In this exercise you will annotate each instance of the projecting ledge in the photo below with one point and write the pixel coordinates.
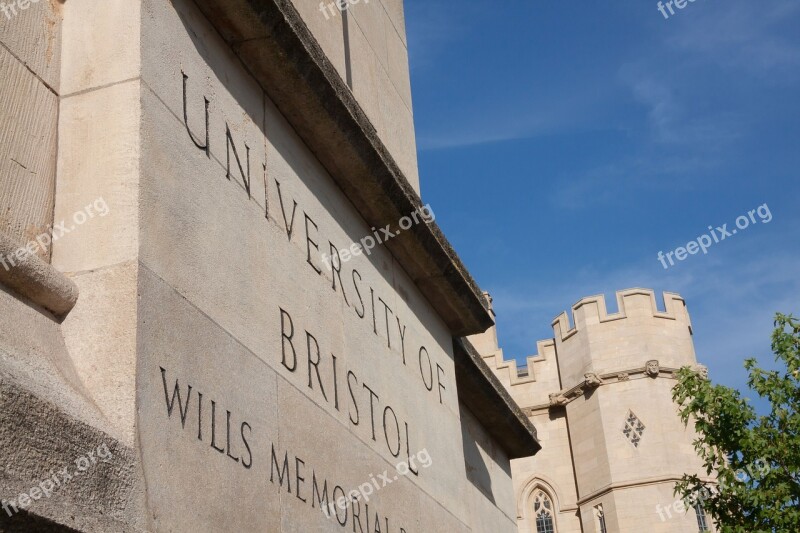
(282, 54)
(487, 399)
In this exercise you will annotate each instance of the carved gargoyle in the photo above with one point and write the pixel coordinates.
(592, 380)
(652, 368)
(557, 399)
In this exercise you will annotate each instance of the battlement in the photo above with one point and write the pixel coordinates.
(632, 303)
(597, 342)
(516, 375)
(530, 384)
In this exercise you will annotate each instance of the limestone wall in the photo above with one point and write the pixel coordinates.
(30, 55)
(367, 44)
(48, 417)
(490, 496)
(550, 470)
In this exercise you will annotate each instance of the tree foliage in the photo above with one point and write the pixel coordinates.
(756, 458)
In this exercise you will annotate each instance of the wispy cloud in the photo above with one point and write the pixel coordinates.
(751, 38)
(431, 141)
(436, 28)
(677, 122)
(687, 128)
(489, 129)
(623, 180)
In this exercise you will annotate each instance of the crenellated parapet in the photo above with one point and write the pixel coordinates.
(528, 384)
(602, 343)
(513, 373)
(598, 348)
(631, 303)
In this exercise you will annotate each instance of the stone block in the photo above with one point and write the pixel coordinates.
(101, 43)
(28, 127)
(33, 36)
(206, 451)
(98, 162)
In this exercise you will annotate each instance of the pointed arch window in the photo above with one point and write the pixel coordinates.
(543, 511)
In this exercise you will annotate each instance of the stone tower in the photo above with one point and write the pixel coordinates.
(599, 394)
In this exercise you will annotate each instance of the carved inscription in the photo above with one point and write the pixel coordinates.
(286, 470)
(203, 417)
(212, 425)
(304, 353)
(367, 411)
(364, 300)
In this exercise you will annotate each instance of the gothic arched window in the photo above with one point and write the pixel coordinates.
(543, 511)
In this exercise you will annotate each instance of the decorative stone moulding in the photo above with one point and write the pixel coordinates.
(34, 279)
(558, 399)
(592, 381)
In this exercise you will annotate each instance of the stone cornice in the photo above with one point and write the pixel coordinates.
(635, 483)
(276, 46)
(486, 398)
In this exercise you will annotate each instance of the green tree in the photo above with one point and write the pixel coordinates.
(756, 457)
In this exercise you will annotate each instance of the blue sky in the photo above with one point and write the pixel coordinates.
(564, 144)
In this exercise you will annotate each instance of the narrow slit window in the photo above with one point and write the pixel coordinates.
(601, 519)
(702, 523)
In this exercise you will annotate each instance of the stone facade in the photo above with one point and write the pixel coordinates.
(599, 394)
(200, 343)
(214, 317)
